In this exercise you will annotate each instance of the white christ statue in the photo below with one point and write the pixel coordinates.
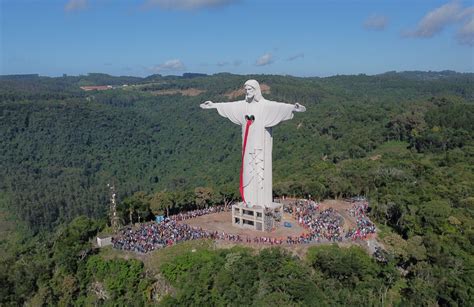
(257, 116)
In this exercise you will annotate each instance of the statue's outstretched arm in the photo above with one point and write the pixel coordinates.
(208, 105)
(230, 110)
(299, 108)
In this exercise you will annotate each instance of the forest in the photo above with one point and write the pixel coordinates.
(404, 140)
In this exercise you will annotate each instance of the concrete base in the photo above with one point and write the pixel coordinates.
(256, 217)
(104, 241)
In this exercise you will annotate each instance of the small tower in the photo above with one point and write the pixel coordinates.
(114, 219)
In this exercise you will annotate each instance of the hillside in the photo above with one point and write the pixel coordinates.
(404, 140)
(57, 138)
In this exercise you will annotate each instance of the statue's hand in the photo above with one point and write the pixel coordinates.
(299, 108)
(207, 105)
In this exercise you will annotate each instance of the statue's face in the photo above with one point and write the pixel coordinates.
(249, 92)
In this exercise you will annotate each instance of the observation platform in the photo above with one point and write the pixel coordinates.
(258, 218)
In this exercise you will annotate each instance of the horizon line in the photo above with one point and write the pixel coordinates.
(235, 74)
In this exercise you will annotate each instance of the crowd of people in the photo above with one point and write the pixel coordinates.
(327, 225)
(199, 212)
(324, 225)
(151, 236)
(321, 226)
(364, 226)
(359, 208)
(301, 207)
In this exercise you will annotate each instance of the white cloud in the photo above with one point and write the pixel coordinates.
(170, 65)
(185, 4)
(436, 20)
(450, 14)
(223, 63)
(376, 22)
(465, 34)
(265, 59)
(75, 5)
(296, 56)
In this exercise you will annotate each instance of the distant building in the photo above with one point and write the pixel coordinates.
(96, 88)
(104, 241)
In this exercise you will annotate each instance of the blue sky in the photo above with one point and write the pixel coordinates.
(299, 37)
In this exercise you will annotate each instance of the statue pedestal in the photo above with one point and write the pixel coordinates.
(256, 217)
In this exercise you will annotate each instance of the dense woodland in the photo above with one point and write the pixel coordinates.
(404, 140)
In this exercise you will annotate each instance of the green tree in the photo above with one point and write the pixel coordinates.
(161, 202)
(203, 196)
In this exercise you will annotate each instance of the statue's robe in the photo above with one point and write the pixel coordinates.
(257, 158)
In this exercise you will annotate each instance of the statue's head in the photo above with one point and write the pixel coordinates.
(252, 91)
